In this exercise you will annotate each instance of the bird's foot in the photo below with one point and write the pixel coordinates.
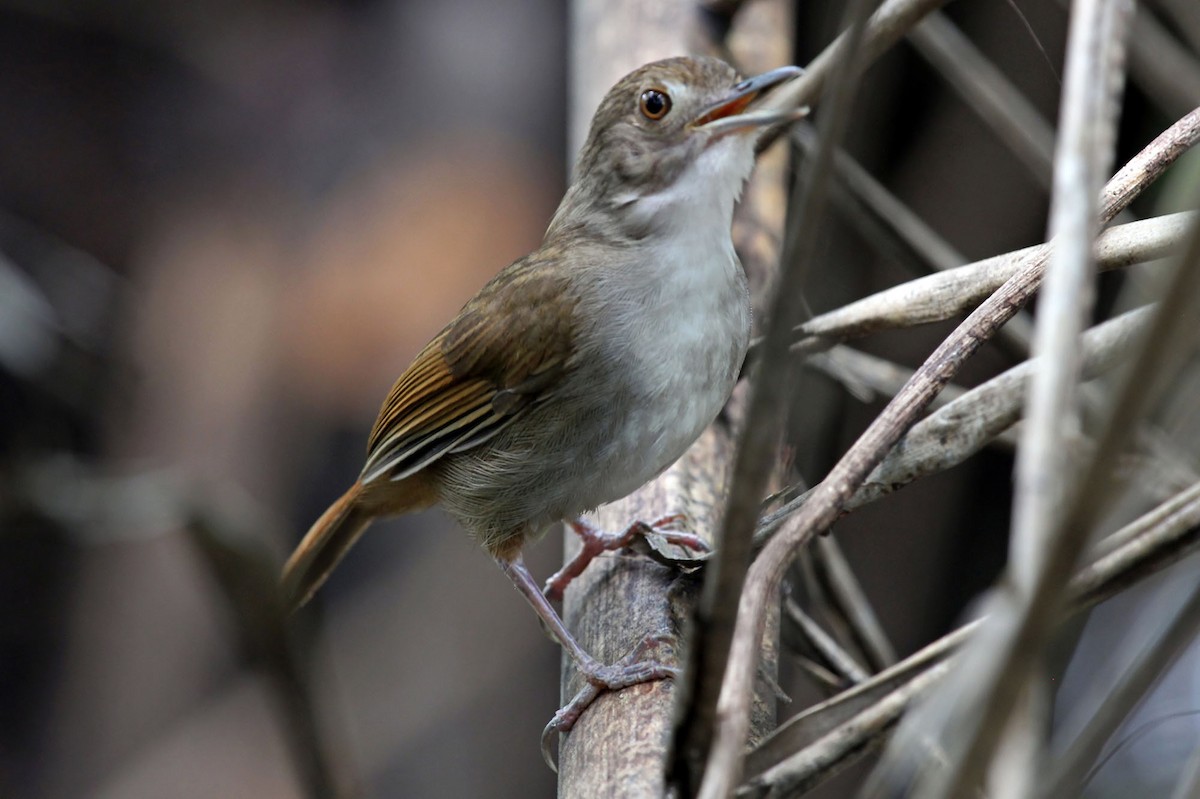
(595, 542)
(626, 672)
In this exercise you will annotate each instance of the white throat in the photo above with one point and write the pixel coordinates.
(701, 198)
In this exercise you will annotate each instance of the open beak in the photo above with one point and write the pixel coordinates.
(732, 112)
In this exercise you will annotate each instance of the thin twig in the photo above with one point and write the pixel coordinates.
(839, 661)
(1169, 507)
(850, 599)
(834, 751)
(869, 377)
(1172, 528)
(805, 728)
(822, 604)
(966, 425)
(938, 297)
(825, 679)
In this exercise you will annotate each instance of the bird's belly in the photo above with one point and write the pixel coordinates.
(634, 404)
(658, 425)
(677, 371)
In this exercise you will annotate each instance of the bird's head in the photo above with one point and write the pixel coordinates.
(670, 137)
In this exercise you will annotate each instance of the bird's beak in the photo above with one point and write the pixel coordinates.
(731, 112)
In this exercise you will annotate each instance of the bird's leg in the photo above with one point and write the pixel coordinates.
(595, 542)
(622, 674)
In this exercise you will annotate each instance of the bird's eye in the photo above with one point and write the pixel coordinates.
(655, 104)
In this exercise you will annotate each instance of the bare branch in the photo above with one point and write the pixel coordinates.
(804, 729)
(1146, 545)
(941, 296)
(868, 377)
(1169, 508)
(803, 752)
(858, 735)
(831, 495)
(964, 426)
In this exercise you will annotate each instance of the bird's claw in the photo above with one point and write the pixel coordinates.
(671, 529)
(626, 672)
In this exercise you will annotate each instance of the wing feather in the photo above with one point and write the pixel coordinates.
(507, 349)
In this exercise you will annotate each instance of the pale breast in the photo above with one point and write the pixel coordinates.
(686, 329)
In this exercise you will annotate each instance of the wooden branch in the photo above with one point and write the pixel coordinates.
(621, 739)
(964, 426)
(941, 296)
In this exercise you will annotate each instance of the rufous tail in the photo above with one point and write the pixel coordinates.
(326, 542)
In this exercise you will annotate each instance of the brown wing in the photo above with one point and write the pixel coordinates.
(507, 348)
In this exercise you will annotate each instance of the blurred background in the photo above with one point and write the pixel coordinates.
(225, 228)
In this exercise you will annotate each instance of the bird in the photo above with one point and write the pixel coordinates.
(585, 369)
